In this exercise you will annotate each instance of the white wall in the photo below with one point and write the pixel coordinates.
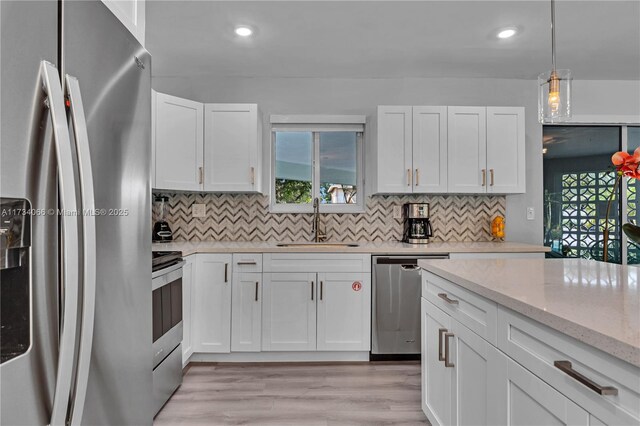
(361, 96)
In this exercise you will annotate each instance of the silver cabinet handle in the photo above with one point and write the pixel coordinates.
(253, 176)
(446, 350)
(226, 272)
(256, 291)
(565, 367)
(491, 173)
(311, 290)
(408, 177)
(444, 297)
(417, 177)
(200, 175)
(89, 245)
(484, 177)
(70, 248)
(247, 263)
(321, 289)
(441, 331)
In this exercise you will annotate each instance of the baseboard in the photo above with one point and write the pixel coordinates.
(359, 356)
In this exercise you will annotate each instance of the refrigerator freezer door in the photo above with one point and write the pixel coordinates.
(28, 34)
(113, 73)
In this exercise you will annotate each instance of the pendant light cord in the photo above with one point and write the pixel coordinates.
(553, 34)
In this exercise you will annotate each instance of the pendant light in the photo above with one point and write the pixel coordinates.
(554, 87)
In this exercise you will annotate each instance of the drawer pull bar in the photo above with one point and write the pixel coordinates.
(444, 297)
(565, 367)
(257, 290)
(446, 350)
(441, 331)
(247, 263)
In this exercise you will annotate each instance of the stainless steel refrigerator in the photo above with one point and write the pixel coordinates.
(75, 287)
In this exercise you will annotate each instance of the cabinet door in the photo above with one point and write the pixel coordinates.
(505, 150)
(289, 312)
(178, 143)
(429, 149)
(532, 401)
(344, 312)
(394, 150)
(187, 288)
(479, 384)
(231, 147)
(437, 379)
(467, 149)
(246, 312)
(131, 13)
(212, 303)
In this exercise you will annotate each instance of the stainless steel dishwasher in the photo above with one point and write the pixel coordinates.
(395, 319)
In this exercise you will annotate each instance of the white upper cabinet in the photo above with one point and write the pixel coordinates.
(429, 149)
(131, 13)
(505, 150)
(178, 143)
(232, 149)
(394, 150)
(456, 149)
(467, 150)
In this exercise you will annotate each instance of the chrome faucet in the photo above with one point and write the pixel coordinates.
(318, 235)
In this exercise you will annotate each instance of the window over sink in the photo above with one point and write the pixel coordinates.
(317, 157)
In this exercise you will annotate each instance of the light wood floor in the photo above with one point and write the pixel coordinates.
(377, 393)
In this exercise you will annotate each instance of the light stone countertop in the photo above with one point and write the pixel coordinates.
(188, 248)
(597, 303)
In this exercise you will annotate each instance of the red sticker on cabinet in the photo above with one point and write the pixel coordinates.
(356, 286)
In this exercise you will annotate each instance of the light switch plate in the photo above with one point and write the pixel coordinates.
(397, 212)
(531, 214)
(198, 210)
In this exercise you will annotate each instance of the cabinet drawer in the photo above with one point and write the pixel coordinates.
(537, 347)
(476, 312)
(247, 262)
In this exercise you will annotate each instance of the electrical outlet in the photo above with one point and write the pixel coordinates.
(531, 214)
(198, 210)
(397, 212)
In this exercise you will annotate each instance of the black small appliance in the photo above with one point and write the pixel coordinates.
(417, 227)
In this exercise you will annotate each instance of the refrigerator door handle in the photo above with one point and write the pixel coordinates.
(89, 246)
(67, 193)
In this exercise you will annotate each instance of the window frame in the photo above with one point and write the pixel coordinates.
(357, 207)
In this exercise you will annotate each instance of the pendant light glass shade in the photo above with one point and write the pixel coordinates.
(554, 87)
(554, 96)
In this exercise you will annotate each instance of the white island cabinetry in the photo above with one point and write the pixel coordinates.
(484, 363)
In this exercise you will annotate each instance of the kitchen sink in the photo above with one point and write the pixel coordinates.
(304, 245)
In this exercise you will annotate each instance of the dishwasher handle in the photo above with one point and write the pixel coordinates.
(408, 261)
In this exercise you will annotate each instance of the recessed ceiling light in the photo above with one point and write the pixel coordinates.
(244, 31)
(507, 32)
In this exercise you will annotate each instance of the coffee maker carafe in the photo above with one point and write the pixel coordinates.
(417, 227)
(161, 230)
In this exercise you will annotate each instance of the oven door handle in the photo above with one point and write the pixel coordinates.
(167, 275)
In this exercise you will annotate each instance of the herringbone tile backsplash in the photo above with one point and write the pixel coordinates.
(246, 217)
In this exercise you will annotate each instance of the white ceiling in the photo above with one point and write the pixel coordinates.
(393, 39)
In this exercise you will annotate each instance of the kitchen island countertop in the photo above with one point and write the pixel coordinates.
(594, 302)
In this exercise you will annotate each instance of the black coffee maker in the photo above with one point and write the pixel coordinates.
(161, 230)
(417, 227)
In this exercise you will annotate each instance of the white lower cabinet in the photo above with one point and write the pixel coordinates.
(246, 312)
(344, 312)
(532, 401)
(468, 380)
(212, 304)
(188, 274)
(437, 380)
(461, 372)
(289, 312)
